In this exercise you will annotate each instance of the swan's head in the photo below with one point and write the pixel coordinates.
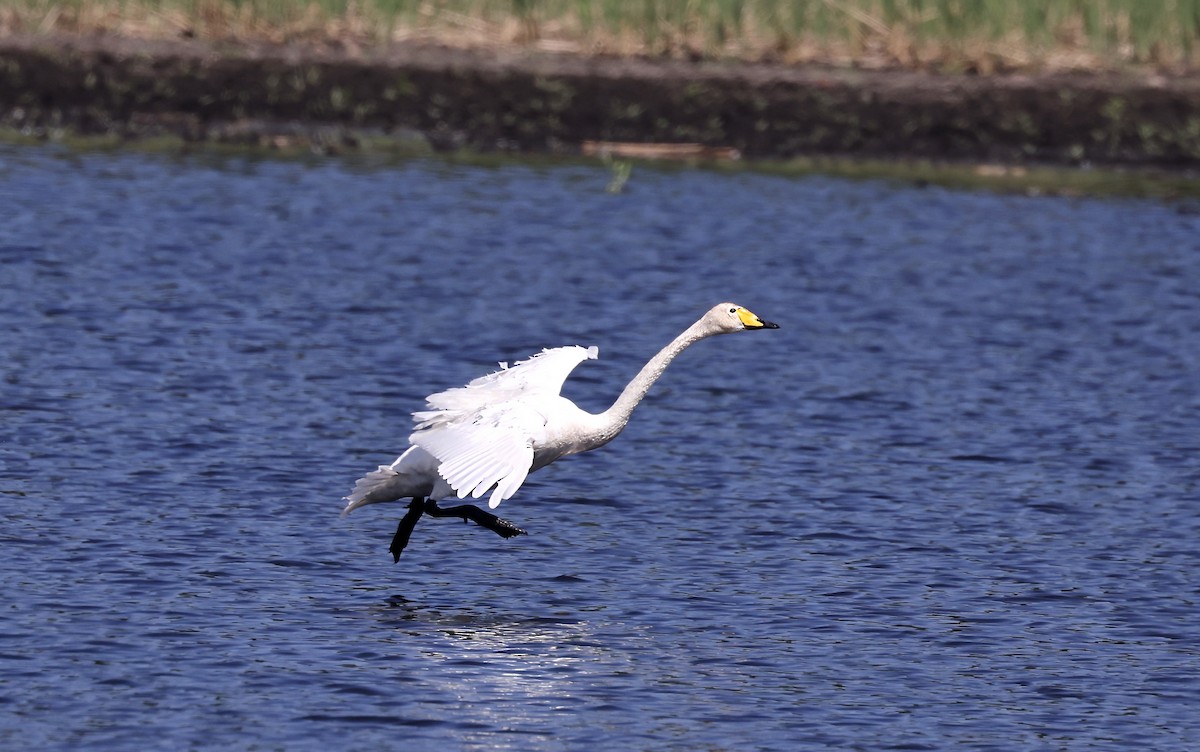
(724, 318)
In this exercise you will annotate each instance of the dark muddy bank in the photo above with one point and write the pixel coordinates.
(487, 100)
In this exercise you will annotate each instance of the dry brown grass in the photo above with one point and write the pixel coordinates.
(911, 34)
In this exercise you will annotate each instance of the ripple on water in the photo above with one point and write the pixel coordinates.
(948, 504)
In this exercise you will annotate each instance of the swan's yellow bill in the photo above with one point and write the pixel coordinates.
(750, 321)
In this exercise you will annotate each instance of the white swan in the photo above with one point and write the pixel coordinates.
(488, 435)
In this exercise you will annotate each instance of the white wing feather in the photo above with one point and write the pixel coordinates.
(484, 434)
(542, 374)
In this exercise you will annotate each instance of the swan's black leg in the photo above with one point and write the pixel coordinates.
(497, 525)
(405, 528)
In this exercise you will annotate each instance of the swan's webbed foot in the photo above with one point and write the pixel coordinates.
(469, 512)
(405, 528)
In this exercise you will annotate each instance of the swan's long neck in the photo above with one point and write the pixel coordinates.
(614, 419)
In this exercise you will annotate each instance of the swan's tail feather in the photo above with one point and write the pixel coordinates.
(384, 484)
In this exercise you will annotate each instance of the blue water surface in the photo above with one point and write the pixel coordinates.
(953, 503)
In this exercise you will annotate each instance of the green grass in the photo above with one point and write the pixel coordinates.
(973, 34)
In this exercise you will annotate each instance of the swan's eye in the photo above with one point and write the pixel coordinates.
(733, 310)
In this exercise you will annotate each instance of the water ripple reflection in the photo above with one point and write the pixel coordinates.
(951, 505)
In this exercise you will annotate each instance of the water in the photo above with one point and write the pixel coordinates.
(954, 503)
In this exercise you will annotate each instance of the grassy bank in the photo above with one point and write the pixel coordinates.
(951, 35)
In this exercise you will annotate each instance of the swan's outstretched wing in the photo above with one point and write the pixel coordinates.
(495, 449)
(543, 374)
(484, 433)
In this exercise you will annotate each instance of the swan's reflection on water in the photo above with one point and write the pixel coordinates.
(516, 672)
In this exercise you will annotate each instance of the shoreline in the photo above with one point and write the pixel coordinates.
(513, 101)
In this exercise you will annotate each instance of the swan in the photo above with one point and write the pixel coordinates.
(489, 435)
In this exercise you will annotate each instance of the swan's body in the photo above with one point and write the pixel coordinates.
(487, 436)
